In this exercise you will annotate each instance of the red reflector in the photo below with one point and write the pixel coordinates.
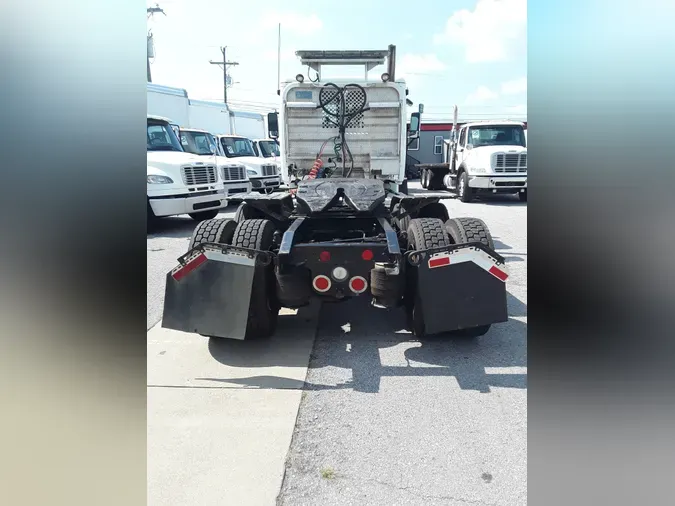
(367, 255)
(324, 256)
(321, 284)
(357, 284)
(439, 262)
(498, 273)
(189, 267)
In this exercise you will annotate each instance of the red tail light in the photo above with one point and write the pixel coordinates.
(321, 283)
(324, 256)
(367, 255)
(358, 284)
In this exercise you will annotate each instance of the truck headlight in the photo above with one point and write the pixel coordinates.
(251, 172)
(159, 180)
(478, 170)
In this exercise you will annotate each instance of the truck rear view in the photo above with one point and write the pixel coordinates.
(342, 231)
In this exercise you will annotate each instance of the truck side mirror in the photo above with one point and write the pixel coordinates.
(273, 125)
(414, 130)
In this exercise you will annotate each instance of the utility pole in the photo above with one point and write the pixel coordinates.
(151, 11)
(225, 64)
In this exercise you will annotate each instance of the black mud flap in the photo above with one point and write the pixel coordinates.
(460, 286)
(210, 291)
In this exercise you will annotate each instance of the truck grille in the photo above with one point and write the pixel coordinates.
(512, 163)
(269, 170)
(233, 173)
(199, 175)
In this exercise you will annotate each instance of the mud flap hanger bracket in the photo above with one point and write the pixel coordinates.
(415, 258)
(263, 258)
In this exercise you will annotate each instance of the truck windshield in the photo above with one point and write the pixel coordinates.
(237, 146)
(161, 137)
(198, 143)
(495, 135)
(269, 148)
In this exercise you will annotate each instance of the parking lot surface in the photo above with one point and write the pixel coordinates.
(383, 418)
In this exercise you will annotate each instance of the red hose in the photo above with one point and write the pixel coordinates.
(315, 168)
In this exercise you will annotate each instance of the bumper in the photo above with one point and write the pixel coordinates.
(258, 183)
(172, 206)
(237, 189)
(498, 183)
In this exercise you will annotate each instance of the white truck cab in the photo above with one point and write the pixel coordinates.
(231, 173)
(491, 157)
(353, 128)
(267, 148)
(262, 173)
(179, 182)
(483, 157)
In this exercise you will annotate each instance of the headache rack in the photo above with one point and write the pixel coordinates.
(368, 58)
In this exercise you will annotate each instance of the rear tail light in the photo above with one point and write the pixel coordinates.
(321, 283)
(324, 256)
(358, 284)
(367, 255)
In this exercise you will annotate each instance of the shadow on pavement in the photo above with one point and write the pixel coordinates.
(354, 336)
(183, 225)
(173, 226)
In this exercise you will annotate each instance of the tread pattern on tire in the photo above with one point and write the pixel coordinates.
(218, 231)
(428, 233)
(463, 230)
(263, 311)
(253, 233)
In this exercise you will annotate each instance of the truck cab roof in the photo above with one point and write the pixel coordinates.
(159, 118)
(492, 122)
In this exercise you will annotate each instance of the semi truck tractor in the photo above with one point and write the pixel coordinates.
(343, 229)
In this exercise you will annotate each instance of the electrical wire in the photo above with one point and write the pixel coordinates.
(342, 119)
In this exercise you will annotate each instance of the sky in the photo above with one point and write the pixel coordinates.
(464, 52)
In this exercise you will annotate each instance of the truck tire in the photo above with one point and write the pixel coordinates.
(426, 233)
(386, 289)
(204, 215)
(463, 230)
(423, 233)
(214, 231)
(264, 307)
(246, 212)
(464, 191)
(423, 179)
(435, 181)
(434, 210)
(294, 288)
(523, 196)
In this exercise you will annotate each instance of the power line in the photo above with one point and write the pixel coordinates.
(225, 64)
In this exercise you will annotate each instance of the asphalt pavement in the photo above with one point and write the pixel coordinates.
(384, 418)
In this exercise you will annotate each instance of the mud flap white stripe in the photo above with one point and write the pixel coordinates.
(469, 254)
(199, 257)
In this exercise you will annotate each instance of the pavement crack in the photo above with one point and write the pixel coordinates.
(418, 493)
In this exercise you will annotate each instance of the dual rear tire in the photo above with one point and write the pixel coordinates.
(425, 233)
(255, 234)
